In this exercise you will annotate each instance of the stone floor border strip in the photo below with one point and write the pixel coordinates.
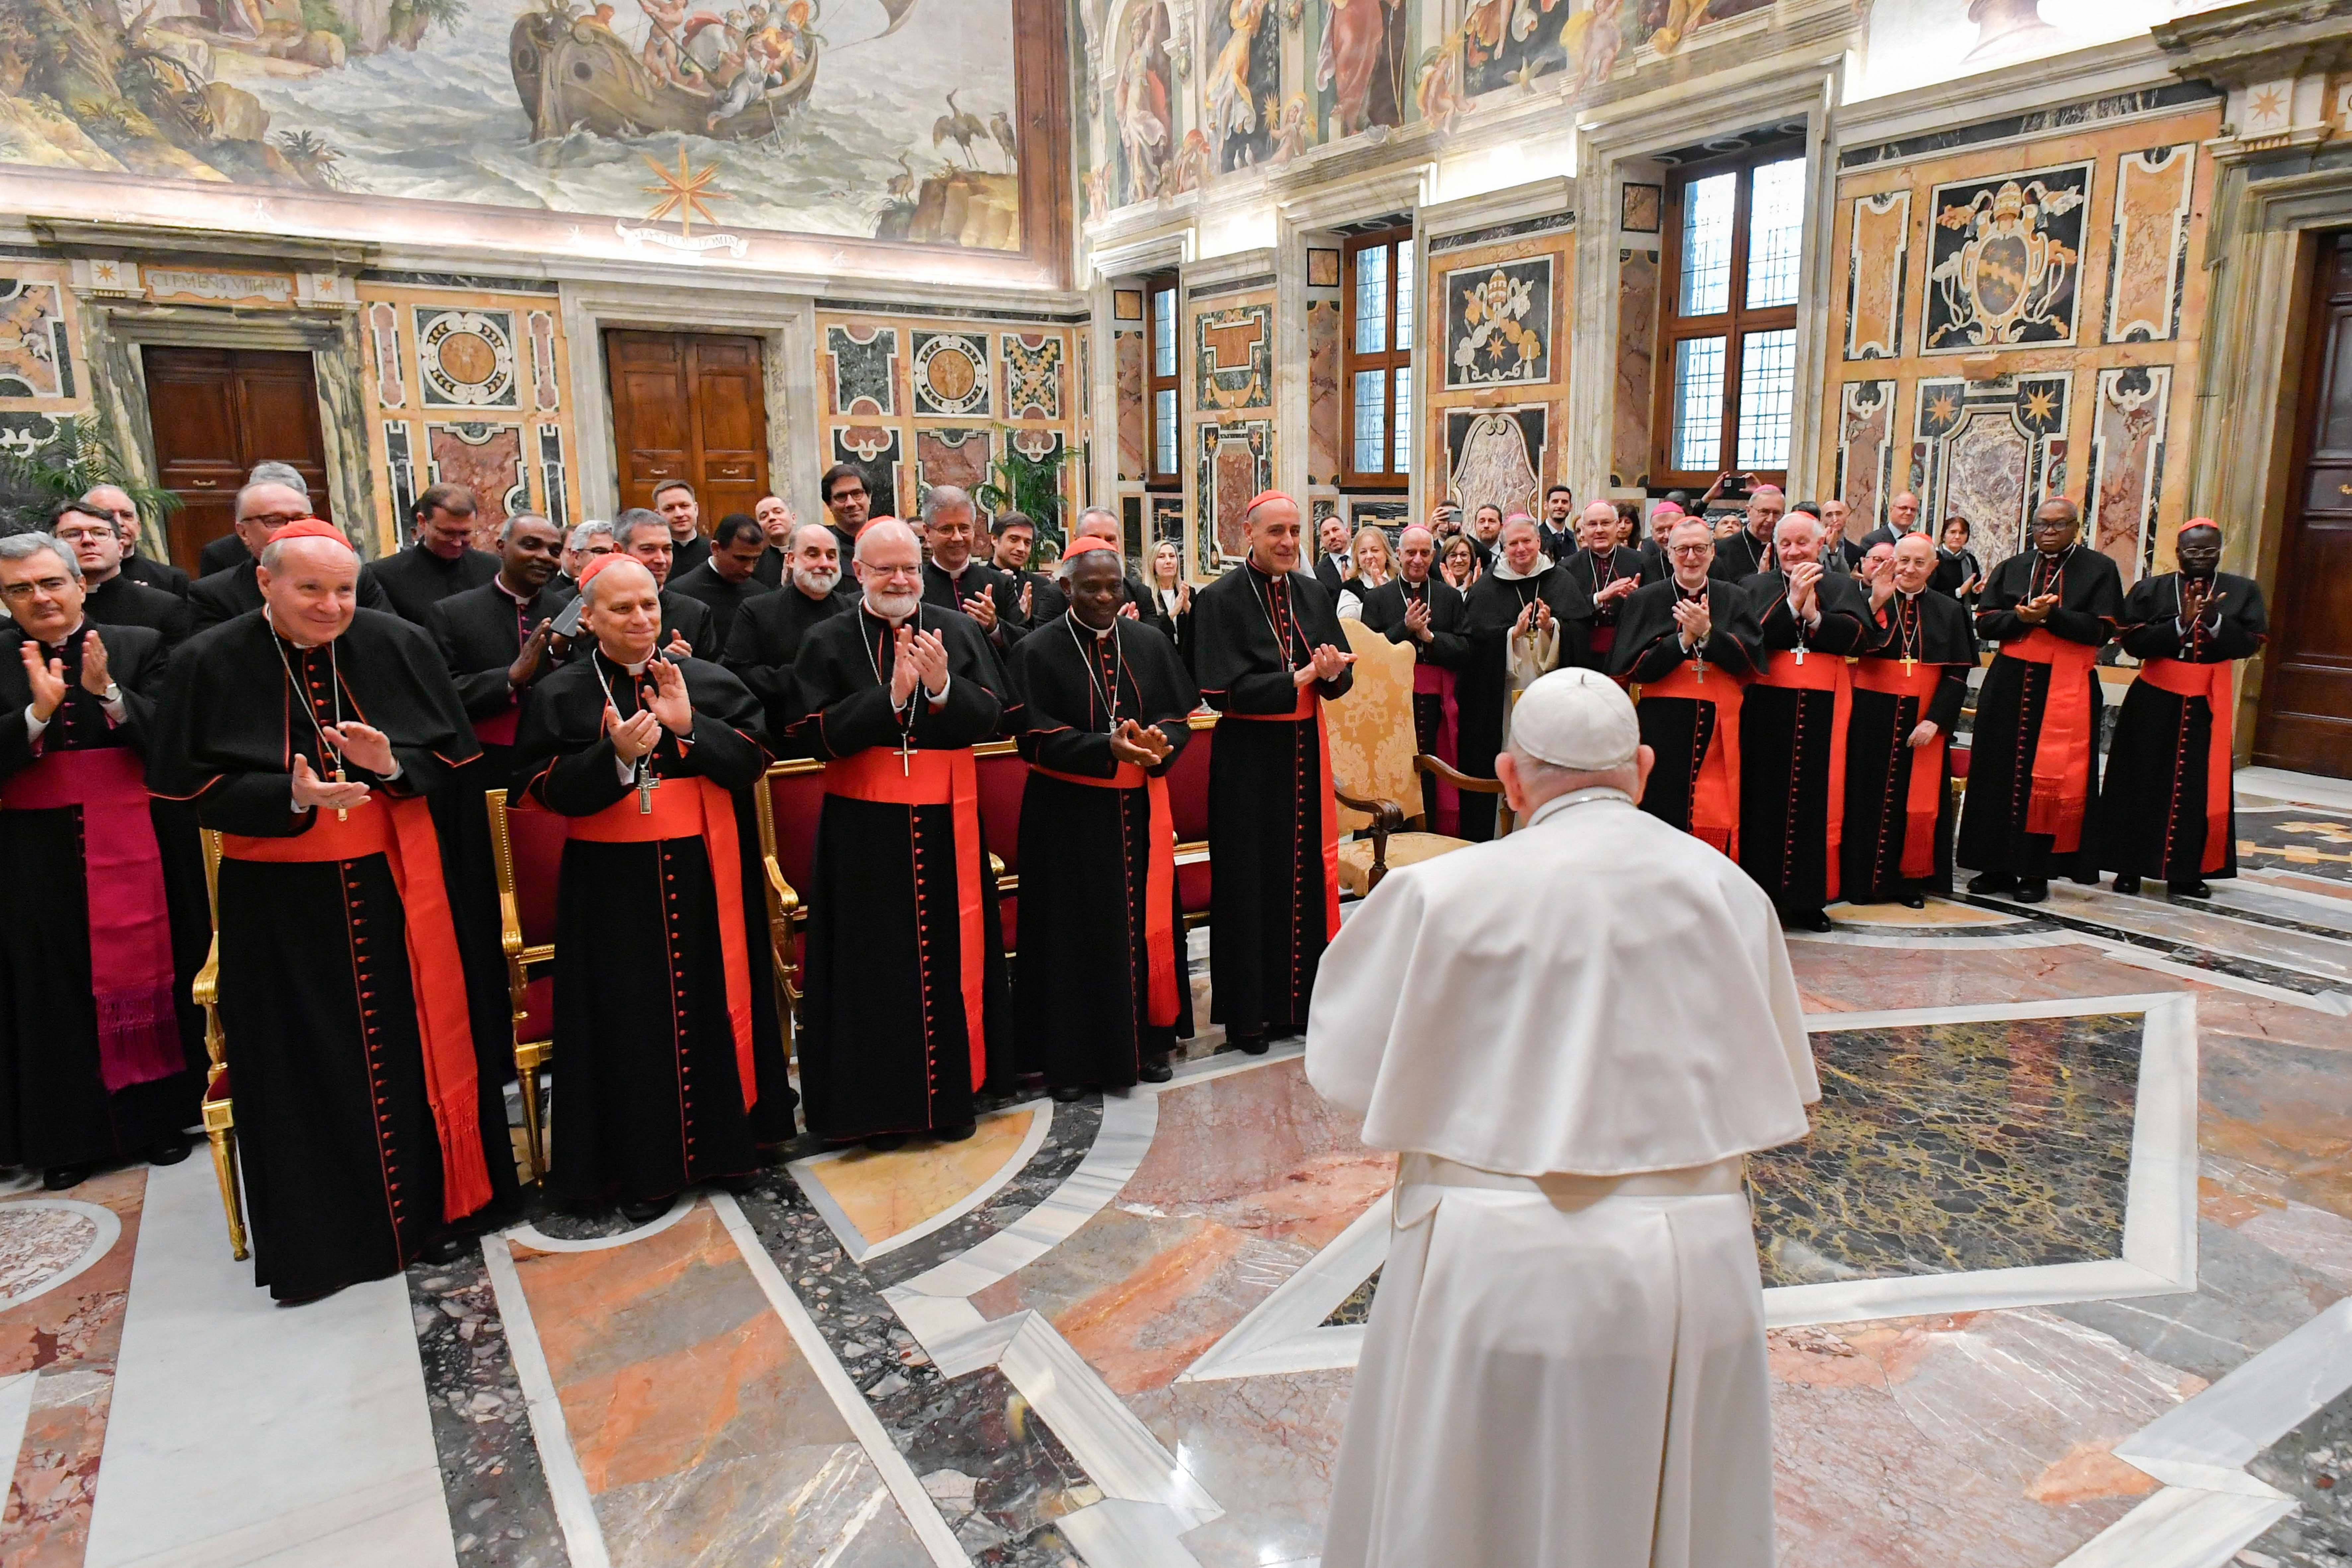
(575, 1510)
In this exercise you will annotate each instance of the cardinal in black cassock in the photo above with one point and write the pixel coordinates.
(1792, 724)
(1525, 616)
(1102, 987)
(1691, 677)
(350, 1048)
(670, 1070)
(94, 1064)
(904, 1016)
(2030, 807)
(1908, 687)
(1428, 612)
(2165, 805)
(1269, 653)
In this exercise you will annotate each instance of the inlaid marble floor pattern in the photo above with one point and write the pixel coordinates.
(2064, 1275)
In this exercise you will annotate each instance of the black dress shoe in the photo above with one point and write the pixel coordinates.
(58, 1178)
(1156, 1070)
(2031, 892)
(2191, 890)
(1913, 901)
(1069, 1094)
(449, 1248)
(1992, 882)
(644, 1211)
(1807, 919)
(883, 1143)
(958, 1133)
(2127, 883)
(1250, 1045)
(169, 1151)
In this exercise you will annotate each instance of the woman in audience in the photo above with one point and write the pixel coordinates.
(1956, 569)
(1373, 564)
(1172, 596)
(1459, 564)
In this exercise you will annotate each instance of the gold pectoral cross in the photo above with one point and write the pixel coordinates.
(1698, 669)
(341, 777)
(1908, 662)
(648, 782)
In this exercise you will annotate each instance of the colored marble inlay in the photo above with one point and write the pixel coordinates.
(501, 1511)
(2311, 841)
(887, 1194)
(1945, 1148)
(2312, 1465)
(1358, 1307)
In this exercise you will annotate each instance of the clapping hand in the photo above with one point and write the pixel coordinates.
(1880, 575)
(1416, 620)
(361, 746)
(1922, 733)
(1616, 590)
(2036, 610)
(1543, 617)
(903, 672)
(668, 701)
(1695, 621)
(634, 736)
(981, 608)
(310, 789)
(528, 663)
(678, 647)
(95, 678)
(1330, 663)
(928, 651)
(1804, 587)
(1527, 619)
(1131, 742)
(47, 679)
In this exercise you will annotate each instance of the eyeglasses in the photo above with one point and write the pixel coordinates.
(880, 571)
(17, 592)
(1689, 548)
(272, 519)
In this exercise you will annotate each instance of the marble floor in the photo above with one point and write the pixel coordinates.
(2064, 1275)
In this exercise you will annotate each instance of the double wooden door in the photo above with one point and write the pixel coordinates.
(2307, 710)
(690, 406)
(215, 412)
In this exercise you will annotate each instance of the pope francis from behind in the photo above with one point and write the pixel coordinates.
(1565, 1363)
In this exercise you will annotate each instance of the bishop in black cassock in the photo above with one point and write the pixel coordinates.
(1269, 653)
(1421, 607)
(2165, 805)
(2030, 805)
(1691, 678)
(1792, 723)
(234, 591)
(766, 638)
(1608, 573)
(670, 1070)
(1524, 615)
(1908, 687)
(1102, 986)
(309, 734)
(95, 1065)
(904, 1016)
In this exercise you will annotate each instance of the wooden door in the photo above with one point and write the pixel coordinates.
(214, 413)
(2307, 710)
(690, 406)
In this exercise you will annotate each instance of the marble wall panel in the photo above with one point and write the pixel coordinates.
(1498, 322)
(951, 373)
(951, 456)
(1453, 263)
(37, 360)
(2005, 256)
(876, 451)
(862, 366)
(1876, 258)
(466, 358)
(1134, 452)
(1991, 451)
(1495, 457)
(1237, 461)
(2149, 253)
(1032, 374)
(2125, 472)
(1233, 357)
(381, 322)
(1323, 433)
(1865, 453)
(486, 459)
(1637, 354)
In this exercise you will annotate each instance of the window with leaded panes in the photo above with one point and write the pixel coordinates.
(1160, 382)
(1376, 362)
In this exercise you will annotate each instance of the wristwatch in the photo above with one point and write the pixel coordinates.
(112, 696)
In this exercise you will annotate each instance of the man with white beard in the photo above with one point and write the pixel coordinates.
(905, 993)
(766, 636)
(1565, 1362)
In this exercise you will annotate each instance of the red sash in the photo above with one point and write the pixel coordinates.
(499, 729)
(1159, 885)
(947, 778)
(2062, 759)
(1310, 706)
(1924, 800)
(400, 830)
(129, 921)
(1830, 673)
(1715, 784)
(695, 808)
(2210, 681)
(1430, 680)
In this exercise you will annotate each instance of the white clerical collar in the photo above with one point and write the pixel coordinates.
(1560, 802)
(69, 634)
(1503, 568)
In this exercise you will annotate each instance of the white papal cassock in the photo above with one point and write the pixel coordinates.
(1571, 1036)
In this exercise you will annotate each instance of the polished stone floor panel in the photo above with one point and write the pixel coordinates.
(2312, 1465)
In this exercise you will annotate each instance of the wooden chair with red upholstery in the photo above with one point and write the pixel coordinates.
(220, 1122)
(1187, 803)
(787, 804)
(1003, 776)
(527, 846)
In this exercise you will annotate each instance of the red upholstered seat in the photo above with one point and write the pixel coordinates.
(535, 838)
(1192, 887)
(1002, 776)
(1188, 786)
(1959, 755)
(1008, 909)
(796, 791)
(538, 1010)
(218, 1088)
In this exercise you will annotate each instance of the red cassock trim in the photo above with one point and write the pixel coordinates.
(400, 830)
(695, 808)
(1715, 790)
(2210, 681)
(947, 778)
(1924, 801)
(2062, 757)
(1310, 706)
(1823, 672)
(1159, 884)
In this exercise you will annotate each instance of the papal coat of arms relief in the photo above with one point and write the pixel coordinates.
(2007, 257)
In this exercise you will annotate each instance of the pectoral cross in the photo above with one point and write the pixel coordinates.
(1800, 654)
(648, 782)
(1908, 662)
(1698, 668)
(341, 814)
(906, 755)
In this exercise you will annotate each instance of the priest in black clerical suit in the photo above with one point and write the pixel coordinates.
(726, 580)
(766, 638)
(219, 556)
(1908, 687)
(1792, 723)
(442, 560)
(1606, 572)
(904, 1016)
(120, 601)
(161, 575)
(1743, 554)
(1102, 987)
(1419, 607)
(1690, 643)
(673, 1071)
(2032, 808)
(96, 1063)
(1525, 616)
(366, 1131)
(2165, 805)
(228, 593)
(1269, 653)
(956, 579)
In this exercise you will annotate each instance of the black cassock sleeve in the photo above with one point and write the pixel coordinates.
(1060, 711)
(1951, 691)
(848, 699)
(1846, 622)
(1651, 646)
(1241, 669)
(2234, 629)
(2092, 600)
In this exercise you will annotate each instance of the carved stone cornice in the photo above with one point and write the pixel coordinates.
(2260, 41)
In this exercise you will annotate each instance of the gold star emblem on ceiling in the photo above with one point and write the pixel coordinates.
(2267, 104)
(1942, 408)
(2039, 406)
(683, 192)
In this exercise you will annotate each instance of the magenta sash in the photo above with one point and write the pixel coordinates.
(130, 923)
(1430, 680)
(499, 729)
